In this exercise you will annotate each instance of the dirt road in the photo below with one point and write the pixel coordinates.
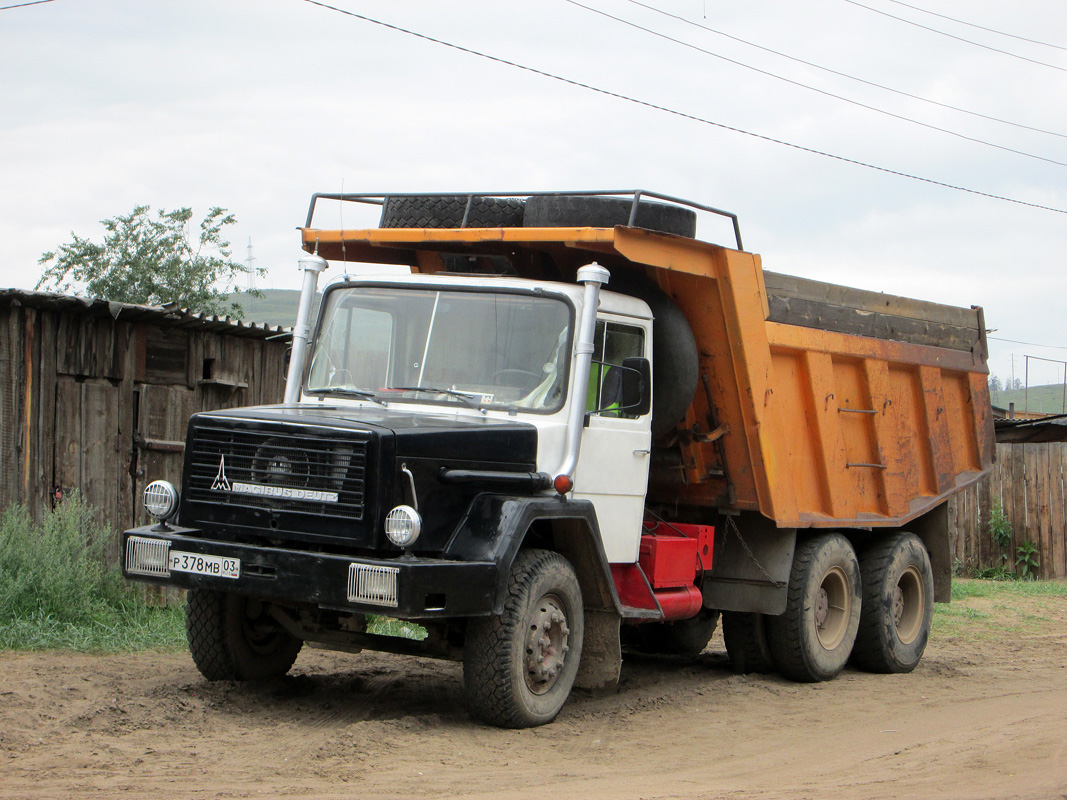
(984, 716)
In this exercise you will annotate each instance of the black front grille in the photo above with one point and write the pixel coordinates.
(282, 471)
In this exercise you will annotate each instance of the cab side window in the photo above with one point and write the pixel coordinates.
(613, 343)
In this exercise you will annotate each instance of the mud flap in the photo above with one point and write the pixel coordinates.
(601, 663)
(753, 561)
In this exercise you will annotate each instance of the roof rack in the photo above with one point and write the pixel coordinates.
(636, 196)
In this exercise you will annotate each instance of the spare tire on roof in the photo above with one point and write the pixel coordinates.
(447, 211)
(581, 211)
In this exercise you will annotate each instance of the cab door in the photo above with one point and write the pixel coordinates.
(612, 470)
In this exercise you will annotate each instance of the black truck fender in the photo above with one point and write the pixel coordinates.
(497, 527)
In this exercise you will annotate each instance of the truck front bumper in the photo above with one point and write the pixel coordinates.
(406, 587)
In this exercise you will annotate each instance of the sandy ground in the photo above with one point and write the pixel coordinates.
(984, 716)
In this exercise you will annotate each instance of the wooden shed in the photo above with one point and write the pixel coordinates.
(96, 395)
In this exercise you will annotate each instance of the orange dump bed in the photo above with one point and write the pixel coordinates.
(818, 405)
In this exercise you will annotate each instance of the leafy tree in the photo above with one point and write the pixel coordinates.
(153, 261)
(994, 387)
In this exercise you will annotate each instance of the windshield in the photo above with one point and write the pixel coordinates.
(479, 349)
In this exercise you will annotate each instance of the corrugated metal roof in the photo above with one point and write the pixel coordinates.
(169, 316)
(1052, 428)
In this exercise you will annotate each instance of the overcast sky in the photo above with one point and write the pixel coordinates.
(254, 106)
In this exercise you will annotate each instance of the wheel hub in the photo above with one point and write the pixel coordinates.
(898, 605)
(909, 605)
(822, 608)
(546, 644)
(832, 608)
(260, 630)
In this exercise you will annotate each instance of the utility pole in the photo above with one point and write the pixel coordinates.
(250, 266)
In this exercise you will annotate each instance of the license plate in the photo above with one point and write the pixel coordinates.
(199, 564)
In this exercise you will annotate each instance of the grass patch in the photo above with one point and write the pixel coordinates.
(55, 592)
(963, 611)
(387, 626)
(993, 609)
(963, 588)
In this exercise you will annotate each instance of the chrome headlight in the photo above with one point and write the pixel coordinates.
(403, 525)
(161, 499)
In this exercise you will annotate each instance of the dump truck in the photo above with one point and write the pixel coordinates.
(570, 430)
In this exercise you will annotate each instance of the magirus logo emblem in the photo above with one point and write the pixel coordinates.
(223, 484)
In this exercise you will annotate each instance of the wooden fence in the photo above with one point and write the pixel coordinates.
(1028, 482)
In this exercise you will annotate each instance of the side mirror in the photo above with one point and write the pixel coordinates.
(636, 386)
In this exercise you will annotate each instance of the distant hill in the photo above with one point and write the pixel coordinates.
(275, 307)
(1046, 399)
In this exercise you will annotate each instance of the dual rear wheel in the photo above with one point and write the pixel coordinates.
(873, 608)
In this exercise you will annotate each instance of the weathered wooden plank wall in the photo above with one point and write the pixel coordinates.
(100, 403)
(1029, 481)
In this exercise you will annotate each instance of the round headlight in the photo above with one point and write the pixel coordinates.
(402, 526)
(160, 499)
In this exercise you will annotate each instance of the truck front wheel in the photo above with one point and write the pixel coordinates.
(813, 639)
(519, 667)
(898, 593)
(234, 638)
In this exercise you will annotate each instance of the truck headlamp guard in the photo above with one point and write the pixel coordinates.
(160, 500)
(403, 525)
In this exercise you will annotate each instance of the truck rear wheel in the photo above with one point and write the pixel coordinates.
(519, 667)
(234, 638)
(813, 639)
(898, 594)
(745, 635)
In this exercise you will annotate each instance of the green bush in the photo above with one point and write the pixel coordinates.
(56, 593)
(999, 526)
(1027, 561)
(1000, 573)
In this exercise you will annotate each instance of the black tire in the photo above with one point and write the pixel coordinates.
(234, 638)
(568, 211)
(745, 635)
(898, 605)
(684, 637)
(446, 211)
(519, 667)
(813, 639)
(674, 352)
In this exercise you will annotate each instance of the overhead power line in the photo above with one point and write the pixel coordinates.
(957, 38)
(845, 74)
(23, 5)
(1029, 344)
(823, 92)
(979, 27)
(674, 112)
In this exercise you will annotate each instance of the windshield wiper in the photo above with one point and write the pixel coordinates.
(363, 394)
(465, 397)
